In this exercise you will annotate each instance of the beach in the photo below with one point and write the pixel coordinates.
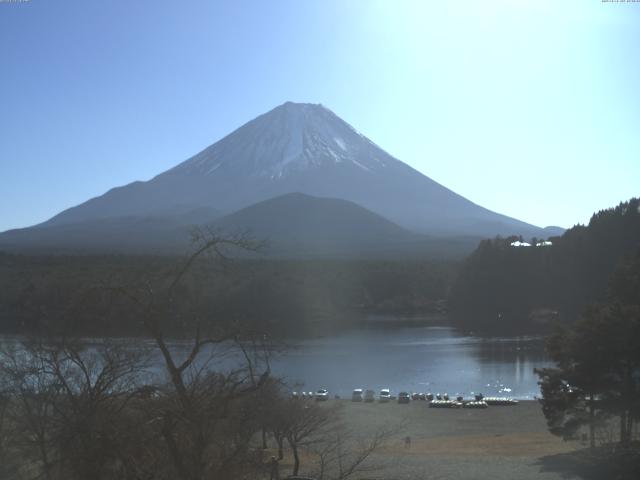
(500, 442)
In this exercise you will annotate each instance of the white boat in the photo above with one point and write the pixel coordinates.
(444, 404)
(502, 401)
(475, 404)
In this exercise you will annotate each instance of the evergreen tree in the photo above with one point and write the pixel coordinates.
(597, 372)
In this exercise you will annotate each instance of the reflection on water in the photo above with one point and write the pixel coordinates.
(414, 359)
(428, 359)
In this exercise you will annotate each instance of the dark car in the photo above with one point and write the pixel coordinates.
(404, 397)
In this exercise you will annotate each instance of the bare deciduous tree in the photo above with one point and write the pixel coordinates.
(304, 424)
(203, 417)
(342, 454)
(66, 405)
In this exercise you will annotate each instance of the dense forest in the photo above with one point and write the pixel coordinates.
(502, 288)
(296, 297)
(498, 289)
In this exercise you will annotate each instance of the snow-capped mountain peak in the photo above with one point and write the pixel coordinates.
(290, 138)
(304, 148)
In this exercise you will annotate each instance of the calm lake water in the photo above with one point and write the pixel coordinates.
(413, 359)
(416, 359)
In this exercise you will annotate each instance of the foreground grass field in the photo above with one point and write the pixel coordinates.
(494, 443)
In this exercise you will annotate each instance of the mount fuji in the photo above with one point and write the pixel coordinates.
(294, 148)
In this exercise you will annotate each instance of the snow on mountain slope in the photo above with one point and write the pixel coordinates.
(292, 138)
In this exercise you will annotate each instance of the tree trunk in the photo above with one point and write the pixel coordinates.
(623, 426)
(264, 439)
(628, 402)
(280, 441)
(592, 437)
(296, 459)
(174, 452)
(45, 460)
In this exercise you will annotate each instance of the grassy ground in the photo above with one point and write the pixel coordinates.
(495, 443)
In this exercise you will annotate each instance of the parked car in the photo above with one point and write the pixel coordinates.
(385, 395)
(369, 396)
(356, 396)
(404, 397)
(322, 395)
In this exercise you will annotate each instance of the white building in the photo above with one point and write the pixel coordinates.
(544, 243)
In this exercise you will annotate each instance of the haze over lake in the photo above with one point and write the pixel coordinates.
(434, 359)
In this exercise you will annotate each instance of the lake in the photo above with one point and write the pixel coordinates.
(432, 359)
(415, 359)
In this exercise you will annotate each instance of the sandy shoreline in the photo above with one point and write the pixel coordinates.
(497, 443)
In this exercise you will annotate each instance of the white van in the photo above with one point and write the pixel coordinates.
(385, 395)
(356, 396)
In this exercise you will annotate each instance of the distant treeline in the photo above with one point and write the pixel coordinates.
(292, 297)
(498, 289)
(501, 288)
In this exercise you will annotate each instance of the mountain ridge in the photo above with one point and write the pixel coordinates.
(293, 225)
(302, 148)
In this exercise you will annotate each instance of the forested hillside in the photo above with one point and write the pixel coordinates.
(498, 289)
(502, 288)
(88, 293)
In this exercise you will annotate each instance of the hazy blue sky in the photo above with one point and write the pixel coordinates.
(529, 108)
